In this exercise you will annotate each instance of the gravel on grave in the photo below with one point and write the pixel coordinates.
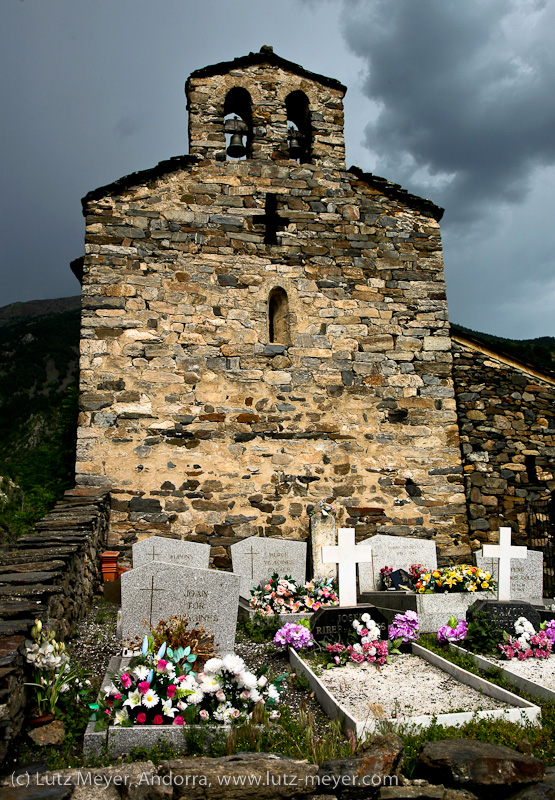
(537, 670)
(407, 687)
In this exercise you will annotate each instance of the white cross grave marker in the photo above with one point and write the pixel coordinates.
(505, 552)
(346, 554)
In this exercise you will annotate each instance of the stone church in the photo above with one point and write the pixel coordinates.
(264, 329)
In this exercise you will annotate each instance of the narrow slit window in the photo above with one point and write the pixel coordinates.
(278, 317)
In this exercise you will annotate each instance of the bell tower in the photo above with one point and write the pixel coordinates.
(263, 107)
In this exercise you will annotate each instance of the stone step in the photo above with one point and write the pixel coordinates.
(29, 566)
(13, 592)
(61, 554)
(9, 647)
(29, 577)
(50, 539)
(18, 607)
(16, 626)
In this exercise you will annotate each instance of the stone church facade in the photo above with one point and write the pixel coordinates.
(264, 333)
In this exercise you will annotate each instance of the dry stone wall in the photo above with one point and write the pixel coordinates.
(50, 574)
(507, 426)
(203, 428)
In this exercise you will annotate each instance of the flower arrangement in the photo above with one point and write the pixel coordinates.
(460, 578)
(403, 629)
(454, 631)
(368, 649)
(283, 596)
(385, 577)
(53, 673)
(165, 691)
(527, 643)
(416, 571)
(295, 636)
(326, 509)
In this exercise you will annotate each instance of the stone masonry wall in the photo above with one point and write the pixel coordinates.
(51, 575)
(202, 428)
(507, 426)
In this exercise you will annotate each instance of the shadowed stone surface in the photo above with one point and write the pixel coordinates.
(466, 761)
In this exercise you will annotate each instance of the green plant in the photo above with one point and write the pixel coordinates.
(482, 635)
(260, 629)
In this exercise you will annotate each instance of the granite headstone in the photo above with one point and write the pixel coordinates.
(335, 623)
(156, 590)
(526, 575)
(322, 534)
(256, 559)
(171, 551)
(504, 613)
(397, 552)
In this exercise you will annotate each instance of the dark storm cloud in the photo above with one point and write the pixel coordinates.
(465, 92)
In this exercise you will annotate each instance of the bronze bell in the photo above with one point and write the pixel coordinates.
(236, 147)
(296, 149)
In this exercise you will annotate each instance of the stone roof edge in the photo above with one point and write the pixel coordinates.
(264, 57)
(396, 191)
(142, 176)
(500, 355)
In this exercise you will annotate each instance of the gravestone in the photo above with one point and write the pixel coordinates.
(397, 552)
(256, 559)
(505, 613)
(504, 553)
(335, 623)
(322, 533)
(346, 555)
(171, 551)
(526, 575)
(157, 590)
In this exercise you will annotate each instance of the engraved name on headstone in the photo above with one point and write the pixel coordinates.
(334, 624)
(156, 591)
(172, 551)
(256, 559)
(504, 613)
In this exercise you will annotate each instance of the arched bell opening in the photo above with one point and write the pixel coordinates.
(278, 317)
(238, 124)
(299, 127)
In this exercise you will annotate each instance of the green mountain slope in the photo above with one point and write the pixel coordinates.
(538, 352)
(38, 407)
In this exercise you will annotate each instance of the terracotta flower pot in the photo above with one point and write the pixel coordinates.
(37, 720)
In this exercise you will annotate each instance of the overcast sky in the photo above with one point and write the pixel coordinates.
(454, 99)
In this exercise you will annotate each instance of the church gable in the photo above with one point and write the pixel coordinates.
(262, 334)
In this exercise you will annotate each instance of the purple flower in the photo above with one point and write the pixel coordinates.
(550, 629)
(293, 635)
(405, 627)
(457, 634)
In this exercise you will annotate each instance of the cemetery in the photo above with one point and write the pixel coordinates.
(317, 583)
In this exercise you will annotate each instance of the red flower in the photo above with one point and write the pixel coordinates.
(141, 718)
(171, 690)
(143, 687)
(158, 719)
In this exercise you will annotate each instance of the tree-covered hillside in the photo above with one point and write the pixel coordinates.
(539, 352)
(38, 408)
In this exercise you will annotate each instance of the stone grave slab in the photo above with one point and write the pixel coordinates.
(256, 559)
(526, 575)
(171, 551)
(335, 623)
(505, 613)
(158, 590)
(398, 552)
